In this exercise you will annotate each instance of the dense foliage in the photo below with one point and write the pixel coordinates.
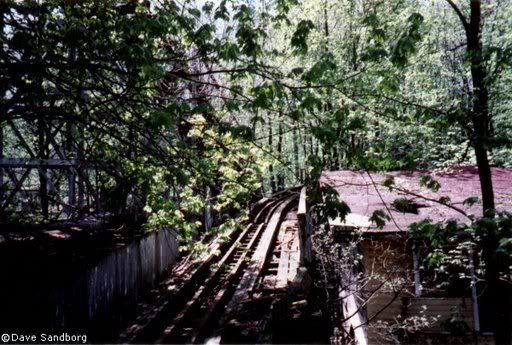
(182, 111)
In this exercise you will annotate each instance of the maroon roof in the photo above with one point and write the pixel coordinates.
(458, 183)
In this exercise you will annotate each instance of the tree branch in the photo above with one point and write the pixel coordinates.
(459, 13)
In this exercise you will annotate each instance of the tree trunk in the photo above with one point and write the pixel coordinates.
(481, 120)
(271, 167)
(280, 175)
(480, 114)
(296, 154)
(495, 292)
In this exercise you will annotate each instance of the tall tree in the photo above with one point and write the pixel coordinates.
(481, 120)
(480, 113)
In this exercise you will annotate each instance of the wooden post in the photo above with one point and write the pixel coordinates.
(71, 172)
(69, 146)
(416, 268)
(304, 229)
(474, 295)
(43, 184)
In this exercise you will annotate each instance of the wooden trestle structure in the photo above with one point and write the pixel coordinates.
(43, 169)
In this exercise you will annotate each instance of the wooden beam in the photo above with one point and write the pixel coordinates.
(21, 139)
(40, 163)
(42, 172)
(71, 174)
(474, 294)
(73, 171)
(17, 187)
(301, 212)
(416, 268)
(304, 227)
(288, 253)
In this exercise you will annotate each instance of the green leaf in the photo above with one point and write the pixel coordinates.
(326, 135)
(181, 177)
(232, 105)
(297, 71)
(389, 181)
(470, 201)
(208, 7)
(299, 37)
(222, 12)
(429, 182)
(194, 12)
(336, 208)
(445, 200)
(161, 119)
(379, 217)
(237, 131)
(405, 205)
(406, 44)
(229, 51)
(296, 115)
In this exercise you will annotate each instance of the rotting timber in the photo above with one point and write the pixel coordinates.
(245, 289)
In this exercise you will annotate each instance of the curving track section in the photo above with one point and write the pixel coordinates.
(200, 294)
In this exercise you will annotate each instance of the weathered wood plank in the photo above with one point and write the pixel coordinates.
(305, 255)
(301, 211)
(294, 264)
(284, 259)
(263, 250)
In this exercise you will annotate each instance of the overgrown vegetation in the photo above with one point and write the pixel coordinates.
(179, 113)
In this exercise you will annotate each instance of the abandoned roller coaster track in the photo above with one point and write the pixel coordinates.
(198, 295)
